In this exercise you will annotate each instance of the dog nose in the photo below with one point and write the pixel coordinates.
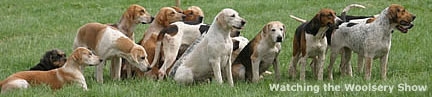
(152, 18)
(243, 22)
(183, 16)
(149, 68)
(279, 39)
(414, 17)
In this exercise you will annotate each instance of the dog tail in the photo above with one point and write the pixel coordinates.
(346, 9)
(170, 30)
(298, 19)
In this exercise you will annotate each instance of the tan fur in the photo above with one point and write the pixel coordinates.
(124, 44)
(397, 13)
(88, 32)
(74, 62)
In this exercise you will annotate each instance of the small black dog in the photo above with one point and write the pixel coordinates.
(51, 60)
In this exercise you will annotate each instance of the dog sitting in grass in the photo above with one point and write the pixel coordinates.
(52, 59)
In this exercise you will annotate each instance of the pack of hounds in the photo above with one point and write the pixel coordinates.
(178, 45)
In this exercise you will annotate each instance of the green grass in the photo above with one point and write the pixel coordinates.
(28, 28)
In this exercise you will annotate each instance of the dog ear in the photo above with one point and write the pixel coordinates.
(392, 13)
(76, 56)
(130, 13)
(161, 17)
(283, 31)
(221, 19)
(266, 28)
(314, 25)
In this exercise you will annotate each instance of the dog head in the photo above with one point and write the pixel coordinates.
(194, 14)
(56, 58)
(168, 15)
(275, 31)
(229, 19)
(137, 14)
(324, 18)
(401, 17)
(84, 56)
(138, 58)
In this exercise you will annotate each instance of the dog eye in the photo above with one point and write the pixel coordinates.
(143, 58)
(233, 15)
(142, 11)
(281, 29)
(273, 29)
(172, 12)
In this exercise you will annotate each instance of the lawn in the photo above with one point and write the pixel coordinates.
(28, 28)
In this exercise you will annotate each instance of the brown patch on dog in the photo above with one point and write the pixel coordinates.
(91, 34)
(371, 20)
(397, 14)
(124, 44)
(179, 10)
(197, 9)
(168, 15)
(193, 14)
(326, 16)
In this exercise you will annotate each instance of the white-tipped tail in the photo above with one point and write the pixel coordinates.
(353, 6)
(298, 19)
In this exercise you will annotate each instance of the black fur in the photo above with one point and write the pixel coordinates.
(313, 26)
(204, 28)
(236, 45)
(351, 24)
(47, 62)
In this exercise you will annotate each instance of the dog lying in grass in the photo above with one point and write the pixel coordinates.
(52, 59)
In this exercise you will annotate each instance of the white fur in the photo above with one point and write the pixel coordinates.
(213, 53)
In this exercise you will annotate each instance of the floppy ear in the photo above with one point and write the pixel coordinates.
(130, 13)
(266, 28)
(314, 25)
(283, 31)
(392, 13)
(76, 56)
(161, 17)
(221, 19)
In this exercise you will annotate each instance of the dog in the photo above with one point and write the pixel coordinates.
(107, 42)
(310, 42)
(164, 18)
(260, 53)
(329, 32)
(370, 40)
(134, 15)
(213, 52)
(52, 59)
(56, 78)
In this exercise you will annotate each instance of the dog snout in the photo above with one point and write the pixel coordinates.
(279, 39)
(413, 17)
(243, 22)
(183, 16)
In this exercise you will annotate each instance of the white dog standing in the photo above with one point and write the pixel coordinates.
(213, 53)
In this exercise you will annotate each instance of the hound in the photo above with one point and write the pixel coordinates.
(107, 42)
(164, 18)
(239, 43)
(329, 32)
(370, 40)
(56, 78)
(213, 53)
(260, 53)
(310, 41)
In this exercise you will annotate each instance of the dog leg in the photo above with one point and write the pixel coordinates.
(215, 62)
(99, 72)
(333, 57)
(346, 62)
(384, 60)
(320, 66)
(228, 70)
(255, 69)
(293, 68)
(360, 60)
(368, 71)
(83, 85)
(314, 67)
(116, 68)
(303, 67)
(276, 67)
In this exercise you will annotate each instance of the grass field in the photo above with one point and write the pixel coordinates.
(28, 28)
